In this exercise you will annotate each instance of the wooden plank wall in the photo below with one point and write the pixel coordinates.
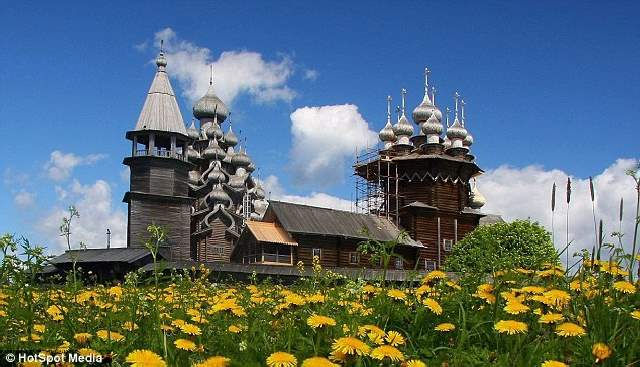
(216, 238)
(173, 216)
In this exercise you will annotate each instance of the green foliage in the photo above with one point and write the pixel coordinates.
(501, 246)
(381, 252)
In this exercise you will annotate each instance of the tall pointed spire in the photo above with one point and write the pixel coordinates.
(426, 81)
(456, 96)
(211, 74)
(160, 111)
(389, 109)
(386, 135)
(462, 110)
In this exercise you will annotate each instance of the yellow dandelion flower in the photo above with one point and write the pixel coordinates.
(435, 274)
(552, 363)
(374, 333)
(216, 361)
(39, 328)
(145, 358)
(130, 326)
(190, 329)
(317, 321)
(31, 364)
(394, 338)
(515, 308)
(109, 335)
(568, 329)
(555, 297)
(350, 345)
(532, 289)
(318, 362)
(282, 359)
(397, 294)
(415, 363)
(338, 356)
(601, 351)
(550, 318)
(234, 329)
(624, 287)
(3, 313)
(185, 344)
(387, 351)
(433, 305)
(635, 314)
(511, 327)
(446, 327)
(82, 338)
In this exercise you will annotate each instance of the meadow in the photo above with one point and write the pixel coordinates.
(522, 317)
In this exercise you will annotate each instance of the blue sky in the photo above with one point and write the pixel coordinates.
(548, 85)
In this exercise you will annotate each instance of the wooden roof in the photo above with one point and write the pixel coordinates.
(305, 219)
(125, 255)
(270, 232)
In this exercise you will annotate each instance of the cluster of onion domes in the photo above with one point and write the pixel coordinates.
(428, 117)
(221, 175)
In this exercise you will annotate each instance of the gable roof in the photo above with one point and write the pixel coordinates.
(306, 219)
(124, 255)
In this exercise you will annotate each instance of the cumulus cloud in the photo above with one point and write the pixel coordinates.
(234, 72)
(93, 202)
(277, 192)
(24, 199)
(323, 139)
(526, 193)
(60, 165)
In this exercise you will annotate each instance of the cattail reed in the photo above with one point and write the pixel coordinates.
(568, 202)
(553, 214)
(593, 207)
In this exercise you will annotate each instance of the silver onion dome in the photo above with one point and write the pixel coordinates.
(403, 127)
(424, 110)
(161, 61)
(216, 175)
(192, 154)
(468, 140)
(241, 159)
(476, 199)
(260, 192)
(214, 130)
(456, 131)
(192, 131)
(230, 139)
(210, 106)
(387, 134)
(218, 196)
(251, 167)
(213, 151)
(432, 126)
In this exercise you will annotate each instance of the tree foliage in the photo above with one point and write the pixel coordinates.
(488, 248)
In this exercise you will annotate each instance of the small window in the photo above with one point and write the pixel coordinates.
(354, 258)
(316, 253)
(429, 265)
(218, 250)
(447, 245)
(399, 263)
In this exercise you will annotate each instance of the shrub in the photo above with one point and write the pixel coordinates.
(500, 246)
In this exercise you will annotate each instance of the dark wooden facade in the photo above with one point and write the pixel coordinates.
(159, 195)
(429, 196)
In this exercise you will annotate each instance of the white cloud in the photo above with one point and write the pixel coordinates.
(276, 192)
(323, 139)
(61, 165)
(125, 173)
(526, 193)
(310, 74)
(24, 199)
(234, 72)
(93, 202)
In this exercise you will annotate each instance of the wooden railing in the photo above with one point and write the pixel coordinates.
(160, 153)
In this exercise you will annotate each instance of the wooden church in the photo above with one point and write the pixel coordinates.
(197, 183)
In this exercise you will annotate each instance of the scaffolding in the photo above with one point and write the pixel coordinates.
(376, 184)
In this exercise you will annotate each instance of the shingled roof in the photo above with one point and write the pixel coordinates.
(306, 219)
(124, 255)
